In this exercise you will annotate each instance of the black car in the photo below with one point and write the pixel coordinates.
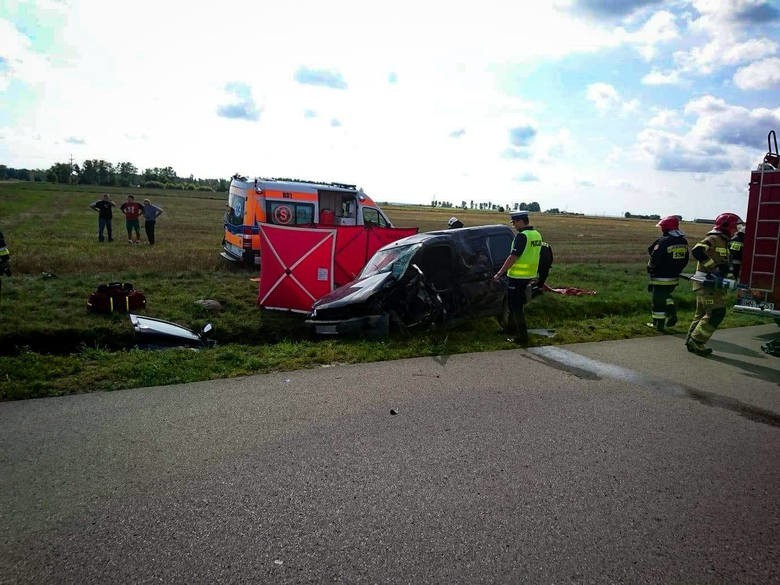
(426, 278)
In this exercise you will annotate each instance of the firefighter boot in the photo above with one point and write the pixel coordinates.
(657, 324)
(698, 348)
(671, 315)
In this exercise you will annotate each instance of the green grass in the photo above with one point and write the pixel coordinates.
(50, 345)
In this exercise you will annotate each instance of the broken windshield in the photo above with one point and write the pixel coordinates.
(394, 260)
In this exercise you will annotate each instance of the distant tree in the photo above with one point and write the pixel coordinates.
(59, 173)
(128, 174)
(88, 174)
(534, 207)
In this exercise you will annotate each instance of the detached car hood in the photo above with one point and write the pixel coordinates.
(353, 293)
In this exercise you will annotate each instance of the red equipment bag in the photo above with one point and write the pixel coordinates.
(118, 297)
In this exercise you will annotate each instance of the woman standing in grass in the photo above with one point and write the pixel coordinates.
(151, 213)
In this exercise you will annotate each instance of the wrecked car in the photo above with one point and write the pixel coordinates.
(153, 333)
(424, 279)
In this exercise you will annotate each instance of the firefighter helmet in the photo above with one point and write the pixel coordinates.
(727, 222)
(670, 223)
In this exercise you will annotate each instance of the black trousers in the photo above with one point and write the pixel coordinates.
(149, 228)
(518, 294)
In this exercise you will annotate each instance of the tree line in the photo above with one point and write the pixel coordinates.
(489, 206)
(104, 173)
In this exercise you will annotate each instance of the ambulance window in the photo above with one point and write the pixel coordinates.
(289, 213)
(235, 210)
(373, 217)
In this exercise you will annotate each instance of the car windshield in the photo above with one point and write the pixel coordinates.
(393, 260)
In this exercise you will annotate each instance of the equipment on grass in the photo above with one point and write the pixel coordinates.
(119, 297)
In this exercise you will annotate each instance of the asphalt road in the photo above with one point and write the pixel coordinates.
(614, 462)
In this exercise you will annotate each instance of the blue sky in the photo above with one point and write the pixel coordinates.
(599, 107)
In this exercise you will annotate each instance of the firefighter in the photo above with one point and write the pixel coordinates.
(712, 255)
(668, 256)
(522, 268)
(5, 258)
(735, 251)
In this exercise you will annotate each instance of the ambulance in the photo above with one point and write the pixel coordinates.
(289, 202)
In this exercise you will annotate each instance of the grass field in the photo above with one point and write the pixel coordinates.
(50, 345)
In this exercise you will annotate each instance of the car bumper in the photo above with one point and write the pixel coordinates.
(377, 325)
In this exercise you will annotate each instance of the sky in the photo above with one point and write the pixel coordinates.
(588, 106)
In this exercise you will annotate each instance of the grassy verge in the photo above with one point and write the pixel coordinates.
(50, 345)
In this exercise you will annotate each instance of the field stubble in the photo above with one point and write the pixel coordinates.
(50, 344)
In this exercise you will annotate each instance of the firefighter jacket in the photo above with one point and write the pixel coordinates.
(735, 253)
(4, 253)
(668, 257)
(712, 255)
(527, 246)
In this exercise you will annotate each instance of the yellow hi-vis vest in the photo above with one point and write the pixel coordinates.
(527, 264)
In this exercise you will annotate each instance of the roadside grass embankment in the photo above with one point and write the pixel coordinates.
(50, 345)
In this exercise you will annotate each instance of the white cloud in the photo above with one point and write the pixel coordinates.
(764, 74)
(606, 98)
(723, 52)
(721, 136)
(659, 28)
(420, 109)
(665, 119)
(19, 60)
(656, 77)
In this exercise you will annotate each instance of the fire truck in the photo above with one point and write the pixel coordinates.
(289, 202)
(760, 272)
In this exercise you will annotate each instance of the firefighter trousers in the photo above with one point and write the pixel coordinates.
(663, 309)
(710, 311)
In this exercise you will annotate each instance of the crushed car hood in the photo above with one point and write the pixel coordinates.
(354, 292)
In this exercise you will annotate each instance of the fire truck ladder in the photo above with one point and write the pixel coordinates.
(768, 216)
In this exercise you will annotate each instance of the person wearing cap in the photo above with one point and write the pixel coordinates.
(454, 223)
(521, 268)
(668, 257)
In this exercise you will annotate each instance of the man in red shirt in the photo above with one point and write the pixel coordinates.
(132, 210)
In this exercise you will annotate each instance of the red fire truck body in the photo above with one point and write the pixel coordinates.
(760, 270)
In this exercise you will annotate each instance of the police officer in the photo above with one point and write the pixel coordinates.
(454, 223)
(521, 267)
(668, 256)
(712, 255)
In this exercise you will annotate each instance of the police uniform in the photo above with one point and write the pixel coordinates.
(712, 255)
(668, 256)
(526, 249)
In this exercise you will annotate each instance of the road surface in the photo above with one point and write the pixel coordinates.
(615, 462)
